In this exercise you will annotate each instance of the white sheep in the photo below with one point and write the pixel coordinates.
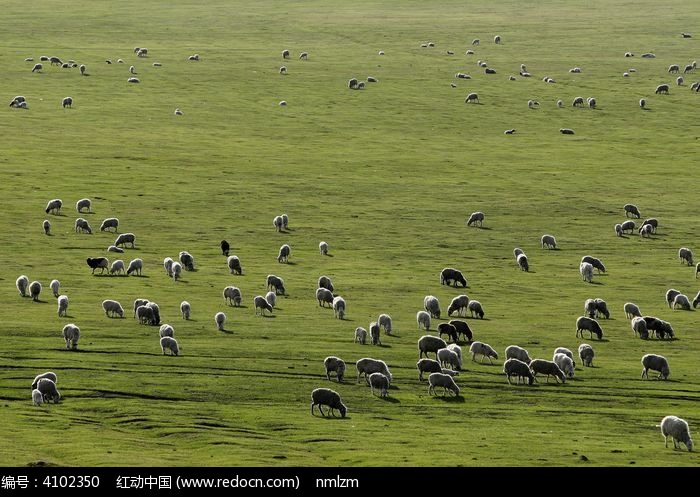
(380, 382)
(423, 320)
(114, 307)
(110, 222)
(324, 296)
(117, 267)
(168, 266)
(516, 352)
(48, 390)
(259, 302)
(472, 98)
(586, 354)
(232, 295)
(62, 305)
(334, 365)
(186, 260)
(138, 303)
(589, 324)
(367, 366)
(276, 284)
(37, 397)
(220, 319)
(560, 104)
(567, 353)
(497, 39)
(678, 430)
(642, 103)
(82, 226)
(283, 254)
(523, 263)
(548, 241)
(374, 334)
(166, 330)
(133, 80)
(457, 350)
(384, 321)
(516, 367)
(277, 223)
(35, 290)
(339, 307)
(323, 248)
(22, 284)
(145, 315)
(271, 298)
(432, 305)
(234, 264)
(325, 282)
(631, 310)
(169, 343)
(671, 296)
(681, 301)
(476, 309)
(47, 227)
(177, 270)
(135, 266)
(639, 327)
(484, 350)
(55, 285)
(565, 363)
(655, 363)
(71, 334)
(586, 270)
(442, 380)
(185, 309)
(360, 335)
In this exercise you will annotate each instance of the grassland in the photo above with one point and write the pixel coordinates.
(387, 176)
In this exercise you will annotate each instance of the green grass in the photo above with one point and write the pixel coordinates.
(387, 176)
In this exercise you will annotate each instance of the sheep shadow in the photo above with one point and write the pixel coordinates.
(289, 263)
(268, 315)
(390, 400)
(224, 330)
(486, 228)
(382, 346)
(328, 255)
(457, 399)
(39, 301)
(595, 283)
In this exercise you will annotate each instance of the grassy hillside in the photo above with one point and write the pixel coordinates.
(387, 176)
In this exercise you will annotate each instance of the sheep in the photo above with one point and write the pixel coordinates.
(71, 334)
(618, 229)
(586, 270)
(135, 266)
(674, 68)
(642, 103)
(567, 353)
(145, 315)
(566, 131)
(586, 354)
(37, 67)
(523, 263)
(475, 309)
(185, 309)
(169, 343)
(352, 84)
(671, 295)
(462, 327)
(430, 343)
(655, 363)
(660, 327)
(22, 284)
(476, 217)
(646, 230)
(327, 397)
(550, 368)
(629, 54)
(653, 222)
(489, 70)
(560, 104)
(166, 331)
(259, 302)
(323, 248)
(627, 225)
(631, 310)
(62, 305)
(380, 382)
(475, 41)
(472, 98)
(35, 290)
(82, 226)
(516, 367)
(220, 319)
(324, 296)
(442, 380)
(532, 104)
(234, 264)
(271, 298)
(548, 241)
(133, 80)
(225, 247)
(232, 295)
(461, 75)
(697, 270)
(168, 266)
(459, 303)
(484, 350)
(685, 255)
(516, 352)
(427, 366)
(339, 307)
(662, 89)
(449, 330)
(589, 308)
(509, 132)
(303, 56)
(374, 334)
(110, 222)
(497, 39)
(639, 327)
(285, 54)
(565, 363)
(55, 285)
(54, 206)
(681, 301)
(450, 358)
(452, 276)
(325, 282)
(37, 397)
(275, 284)
(283, 254)
(285, 221)
(648, 55)
(83, 203)
(381, 52)
(114, 307)
(679, 81)
(334, 365)
(432, 305)
(186, 260)
(592, 103)
(688, 68)
(138, 303)
(367, 366)
(277, 223)
(678, 430)
(423, 320)
(601, 308)
(132, 70)
(177, 270)
(125, 238)
(47, 227)
(578, 102)
(516, 252)
(360, 335)
(384, 321)
(48, 390)
(589, 324)
(595, 262)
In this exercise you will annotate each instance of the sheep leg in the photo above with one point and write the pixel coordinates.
(490, 360)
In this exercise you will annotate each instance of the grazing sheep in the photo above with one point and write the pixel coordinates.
(177, 270)
(22, 284)
(285, 221)
(679, 81)
(430, 343)
(497, 39)
(586, 353)
(380, 382)
(220, 319)
(334, 365)
(381, 52)
(125, 238)
(37, 397)
(35, 290)
(681, 301)
(565, 363)
(303, 56)
(232, 295)
(462, 327)
(427, 366)
(591, 325)
(586, 270)
(323, 248)
(327, 397)
(631, 310)
(168, 266)
(275, 284)
(225, 247)
(367, 366)
(442, 380)
(629, 54)
(138, 303)
(591, 102)
(578, 102)
(185, 309)
(639, 327)
(697, 270)
(566, 131)
(671, 295)
(48, 390)
(589, 308)
(98, 262)
(259, 302)
(646, 230)
(67, 102)
(655, 363)
(234, 264)
(458, 304)
(283, 255)
(542, 366)
(516, 352)
(475, 309)
(83, 203)
(653, 222)
(618, 229)
(601, 308)
(560, 104)
(135, 266)
(674, 68)
(432, 305)
(523, 264)
(324, 296)
(360, 335)
(374, 334)
(632, 210)
(37, 67)
(452, 276)
(55, 285)
(145, 315)
(114, 307)
(548, 241)
(516, 252)
(484, 350)
(688, 68)
(82, 226)
(71, 334)
(566, 352)
(325, 282)
(352, 83)
(516, 367)
(62, 305)
(339, 307)
(472, 98)
(271, 298)
(461, 75)
(186, 260)
(277, 223)
(628, 225)
(532, 104)
(110, 222)
(509, 132)
(54, 206)
(117, 267)
(285, 54)
(648, 55)
(384, 321)
(447, 329)
(676, 428)
(169, 343)
(686, 255)
(475, 41)
(662, 89)
(47, 227)
(489, 70)
(283, 70)
(423, 320)
(133, 80)
(449, 357)
(476, 217)
(166, 331)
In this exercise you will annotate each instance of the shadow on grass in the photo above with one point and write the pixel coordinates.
(390, 400)
(459, 399)
(228, 332)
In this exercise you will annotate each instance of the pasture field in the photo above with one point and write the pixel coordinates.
(387, 176)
